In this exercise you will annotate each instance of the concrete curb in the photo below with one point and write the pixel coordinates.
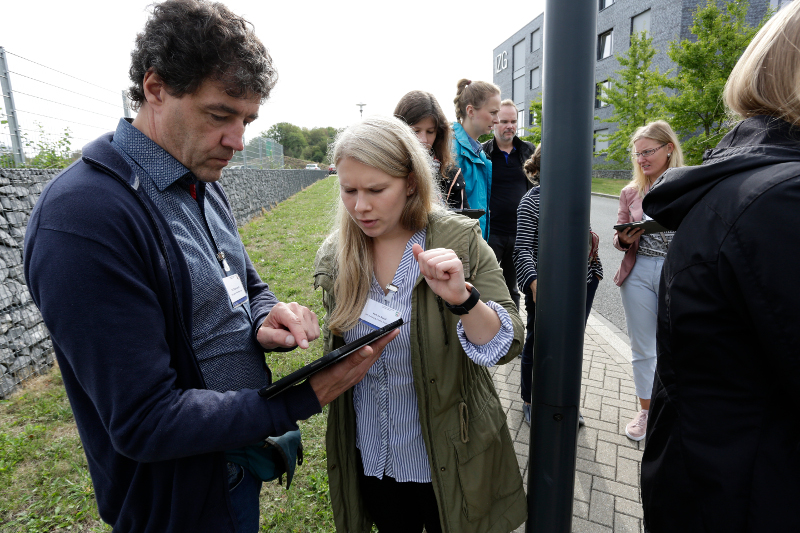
(605, 195)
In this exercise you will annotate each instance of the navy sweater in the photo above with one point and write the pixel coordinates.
(114, 290)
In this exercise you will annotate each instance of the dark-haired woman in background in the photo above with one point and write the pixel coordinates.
(421, 111)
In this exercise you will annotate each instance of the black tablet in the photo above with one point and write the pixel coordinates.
(326, 360)
(471, 213)
(650, 226)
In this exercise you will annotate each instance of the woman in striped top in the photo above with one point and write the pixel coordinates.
(422, 441)
(526, 258)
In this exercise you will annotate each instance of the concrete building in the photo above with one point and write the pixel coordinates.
(518, 60)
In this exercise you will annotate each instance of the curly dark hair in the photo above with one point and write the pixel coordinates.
(186, 42)
(533, 165)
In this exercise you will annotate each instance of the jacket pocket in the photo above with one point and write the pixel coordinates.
(487, 464)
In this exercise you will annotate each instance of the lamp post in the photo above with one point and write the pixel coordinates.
(361, 109)
(569, 62)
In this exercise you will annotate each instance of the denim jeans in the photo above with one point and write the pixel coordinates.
(244, 490)
(640, 300)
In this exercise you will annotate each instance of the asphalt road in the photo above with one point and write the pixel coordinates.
(607, 301)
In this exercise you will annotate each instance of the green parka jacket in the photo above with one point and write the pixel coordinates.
(474, 468)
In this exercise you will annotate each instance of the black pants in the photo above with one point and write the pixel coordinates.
(503, 247)
(400, 507)
(526, 365)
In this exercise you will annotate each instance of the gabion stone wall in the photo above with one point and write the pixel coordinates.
(25, 346)
(612, 174)
(249, 190)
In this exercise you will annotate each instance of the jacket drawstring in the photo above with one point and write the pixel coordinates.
(444, 320)
(463, 415)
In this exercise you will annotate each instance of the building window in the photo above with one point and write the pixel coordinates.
(641, 22)
(531, 118)
(518, 89)
(536, 40)
(600, 141)
(520, 120)
(605, 3)
(518, 60)
(536, 78)
(605, 44)
(599, 90)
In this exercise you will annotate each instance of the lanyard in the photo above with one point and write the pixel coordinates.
(220, 255)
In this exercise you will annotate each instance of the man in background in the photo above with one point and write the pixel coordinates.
(508, 154)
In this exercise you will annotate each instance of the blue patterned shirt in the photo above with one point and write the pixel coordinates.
(388, 431)
(222, 335)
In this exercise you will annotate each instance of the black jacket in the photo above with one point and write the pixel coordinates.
(723, 434)
(524, 151)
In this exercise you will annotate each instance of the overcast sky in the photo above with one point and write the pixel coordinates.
(330, 56)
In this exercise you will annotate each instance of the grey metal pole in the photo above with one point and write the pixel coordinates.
(568, 95)
(11, 110)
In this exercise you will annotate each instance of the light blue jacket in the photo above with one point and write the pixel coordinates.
(477, 171)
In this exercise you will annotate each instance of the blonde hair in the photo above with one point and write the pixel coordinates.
(509, 102)
(766, 79)
(474, 93)
(389, 145)
(661, 132)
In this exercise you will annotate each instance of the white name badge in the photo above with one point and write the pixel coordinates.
(377, 315)
(236, 292)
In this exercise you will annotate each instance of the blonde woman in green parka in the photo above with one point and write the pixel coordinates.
(422, 441)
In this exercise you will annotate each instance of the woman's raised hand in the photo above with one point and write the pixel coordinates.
(443, 272)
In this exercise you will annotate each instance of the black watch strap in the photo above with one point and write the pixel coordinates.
(466, 307)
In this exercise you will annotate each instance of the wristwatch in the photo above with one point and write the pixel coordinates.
(466, 307)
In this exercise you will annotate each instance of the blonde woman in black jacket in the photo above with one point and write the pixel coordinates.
(723, 433)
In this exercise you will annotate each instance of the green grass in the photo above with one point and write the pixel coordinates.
(608, 186)
(44, 479)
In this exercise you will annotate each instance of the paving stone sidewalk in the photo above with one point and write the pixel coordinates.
(607, 478)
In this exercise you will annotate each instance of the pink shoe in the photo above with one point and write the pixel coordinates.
(637, 428)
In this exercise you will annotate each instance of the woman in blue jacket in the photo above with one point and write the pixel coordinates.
(477, 104)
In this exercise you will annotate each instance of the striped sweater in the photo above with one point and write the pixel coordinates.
(526, 247)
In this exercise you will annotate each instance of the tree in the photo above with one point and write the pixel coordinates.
(50, 153)
(636, 93)
(302, 143)
(535, 130)
(280, 131)
(704, 65)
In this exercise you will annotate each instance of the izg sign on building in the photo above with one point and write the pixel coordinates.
(500, 62)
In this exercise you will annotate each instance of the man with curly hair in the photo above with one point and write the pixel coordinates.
(158, 319)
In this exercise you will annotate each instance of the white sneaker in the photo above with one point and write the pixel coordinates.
(637, 428)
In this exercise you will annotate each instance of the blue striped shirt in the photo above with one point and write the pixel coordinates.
(388, 431)
(227, 352)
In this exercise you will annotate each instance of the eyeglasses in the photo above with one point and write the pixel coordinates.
(648, 153)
